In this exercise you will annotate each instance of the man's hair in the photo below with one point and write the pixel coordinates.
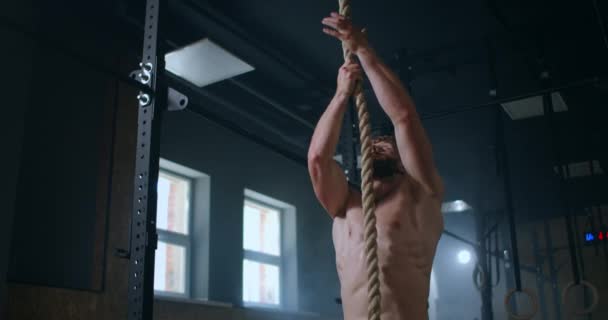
(382, 131)
(377, 139)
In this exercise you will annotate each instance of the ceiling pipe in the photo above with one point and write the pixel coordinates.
(495, 103)
(247, 88)
(601, 22)
(277, 106)
(218, 20)
(233, 108)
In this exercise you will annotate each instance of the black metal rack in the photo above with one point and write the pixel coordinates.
(143, 237)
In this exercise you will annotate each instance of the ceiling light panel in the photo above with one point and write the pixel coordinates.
(204, 62)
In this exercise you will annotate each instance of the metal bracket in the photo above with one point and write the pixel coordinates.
(135, 75)
(176, 100)
(122, 253)
(143, 74)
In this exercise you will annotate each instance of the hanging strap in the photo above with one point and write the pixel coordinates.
(512, 231)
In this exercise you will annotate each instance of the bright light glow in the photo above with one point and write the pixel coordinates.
(464, 256)
(455, 206)
(170, 268)
(533, 106)
(262, 254)
(173, 201)
(261, 283)
(204, 62)
(261, 229)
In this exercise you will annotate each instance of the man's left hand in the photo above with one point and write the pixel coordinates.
(342, 28)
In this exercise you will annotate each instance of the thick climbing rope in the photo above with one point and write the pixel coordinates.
(369, 203)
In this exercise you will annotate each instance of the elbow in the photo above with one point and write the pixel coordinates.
(403, 118)
(316, 158)
(313, 156)
(315, 162)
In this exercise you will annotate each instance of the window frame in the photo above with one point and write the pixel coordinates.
(265, 258)
(180, 239)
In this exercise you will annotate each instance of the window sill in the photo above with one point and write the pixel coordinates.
(280, 310)
(193, 301)
(231, 306)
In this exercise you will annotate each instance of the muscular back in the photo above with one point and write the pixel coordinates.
(409, 225)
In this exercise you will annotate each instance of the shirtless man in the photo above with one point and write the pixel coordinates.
(406, 185)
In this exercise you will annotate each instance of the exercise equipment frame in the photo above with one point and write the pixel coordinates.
(143, 236)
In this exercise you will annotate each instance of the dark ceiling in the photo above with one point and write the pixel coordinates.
(450, 46)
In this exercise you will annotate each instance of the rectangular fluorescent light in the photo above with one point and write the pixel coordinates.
(204, 62)
(581, 169)
(533, 106)
(455, 206)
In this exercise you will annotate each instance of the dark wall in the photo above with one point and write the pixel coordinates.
(43, 302)
(15, 84)
(62, 188)
(235, 163)
(65, 170)
(317, 275)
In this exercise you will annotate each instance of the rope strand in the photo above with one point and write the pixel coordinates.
(369, 203)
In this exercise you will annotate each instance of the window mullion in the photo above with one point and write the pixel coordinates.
(262, 257)
(172, 237)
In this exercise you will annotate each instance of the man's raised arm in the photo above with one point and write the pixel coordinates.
(412, 141)
(413, 144)
(328, 180)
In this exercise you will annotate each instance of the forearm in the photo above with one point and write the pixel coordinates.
(390, 92)
(327, 133)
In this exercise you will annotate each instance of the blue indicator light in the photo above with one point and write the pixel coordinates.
(589, 237)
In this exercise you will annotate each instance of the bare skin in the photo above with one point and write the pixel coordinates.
(407, 187)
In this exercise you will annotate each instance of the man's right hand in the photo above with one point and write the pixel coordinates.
(348, 75)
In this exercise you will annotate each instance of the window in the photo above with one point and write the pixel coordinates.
(270, 260)
(262, 263)
(171, 267)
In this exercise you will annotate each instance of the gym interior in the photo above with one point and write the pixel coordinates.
(156, 154)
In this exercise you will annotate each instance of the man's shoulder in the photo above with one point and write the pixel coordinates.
(420, 191)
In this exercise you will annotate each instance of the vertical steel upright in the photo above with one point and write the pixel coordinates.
(143, 218)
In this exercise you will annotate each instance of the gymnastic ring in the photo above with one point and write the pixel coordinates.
(594, 293)
(482, 276)
(525, 316)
